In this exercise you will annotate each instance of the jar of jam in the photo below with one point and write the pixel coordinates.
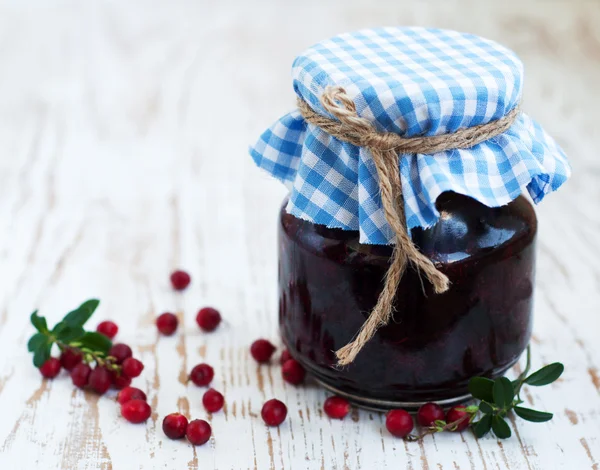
(328, 282)
(406, 245)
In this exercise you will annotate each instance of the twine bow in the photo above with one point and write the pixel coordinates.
(385, 148)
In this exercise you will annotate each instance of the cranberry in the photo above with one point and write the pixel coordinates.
(285, 356)
(108, 329)
(167, 323)
(136, 411)
(456, 413)
(399, 423)
(429, 413)
(202, 375)
(262, 350)
(130, 393)
(80, 374)
(175, 425)
(120, 352)
(100, 380)
(336, 407)
(208, 319)
(212, 400)
(198, 432)
(273, 412)
(293, 372)
(180, 280)
(69, 358)
(119, 381)
(50, 368)
(132, 367)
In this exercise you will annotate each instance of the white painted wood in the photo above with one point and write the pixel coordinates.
(123, 136)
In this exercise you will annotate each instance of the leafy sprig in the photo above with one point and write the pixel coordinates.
(69, 333)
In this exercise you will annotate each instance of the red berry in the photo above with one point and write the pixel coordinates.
(135, 411)
(285, 356)
(130, 393)
(132, 367)
(180, 280)
(119, 381)
(456, 413)
(175, 425)
(262, 350)
(399, 423)
(198, 432)
(80, 374)
(108, 329)
(69, 358)
(167, 323)
(208, 319)
(336, 407)
(99, 380)
(50, 368)
(202, 375)
(212, 400)
(293, 372)
(120, 352)
(273, 412)
(429, 413)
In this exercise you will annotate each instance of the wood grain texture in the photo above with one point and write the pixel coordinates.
(123, 136)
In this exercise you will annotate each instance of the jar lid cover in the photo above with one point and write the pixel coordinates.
(412, 82)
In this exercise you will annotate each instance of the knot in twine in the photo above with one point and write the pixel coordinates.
(385, 148)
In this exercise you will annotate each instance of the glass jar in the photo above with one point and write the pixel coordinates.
(328, 284)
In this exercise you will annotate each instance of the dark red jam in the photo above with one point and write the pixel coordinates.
(329, 283)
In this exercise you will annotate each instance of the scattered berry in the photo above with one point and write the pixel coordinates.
(180, 280)
(167, 323)
(108, 329)
(285, 356)
(99, 380)
(293, 372)
(336, 407)
(198, 432)
(208, 319)
(69, 358)
(50, 368)
(130, 393)
(132, 368)
(202, 375)
(135, 411)
(273, 412)
(120, 352)
(429, 413)
(80, 374)
(399, 423)
(262, 350)
(175, 425)
(119, 381)
(212, 400)
(454, 414)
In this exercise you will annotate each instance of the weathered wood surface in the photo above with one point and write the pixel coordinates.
(123, 134)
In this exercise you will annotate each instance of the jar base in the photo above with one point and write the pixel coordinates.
(374, 404)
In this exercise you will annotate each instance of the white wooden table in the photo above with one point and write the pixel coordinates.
(123, 136)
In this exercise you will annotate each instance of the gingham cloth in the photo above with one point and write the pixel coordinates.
(412, 81)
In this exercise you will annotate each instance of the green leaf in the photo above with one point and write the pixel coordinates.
(41, 354)
(486, 408)
(500, 427)
(66, 333)
(96, 342)
(533, 415)
(503, 392)
(36, 341)
(481, 388)
(483, 426)
(39, 322)
(546, 375)
(81, 314)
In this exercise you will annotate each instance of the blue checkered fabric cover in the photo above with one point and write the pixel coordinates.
(412, 81)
